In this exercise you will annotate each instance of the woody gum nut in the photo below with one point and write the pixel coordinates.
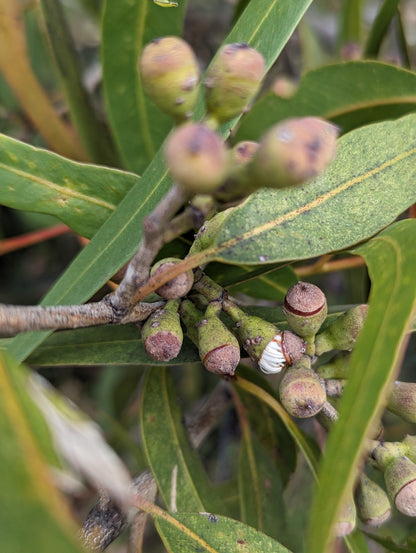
(372, 502)
(294, 151)
(219, 349)
(400, 477)
(302, 393)
(343, 332)
(233, 79)
(402, 400)
(196, 158)
(178, 286)
(162, 335)
(305, 308)
(170, 75)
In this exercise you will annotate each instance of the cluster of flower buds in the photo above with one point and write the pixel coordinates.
(290, 153)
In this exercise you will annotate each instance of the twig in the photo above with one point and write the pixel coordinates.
(329, 266)
(28, 239)
(15, 319)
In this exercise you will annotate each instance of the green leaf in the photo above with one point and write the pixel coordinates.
(109, 344)
(350, 22)
(82, 196)
(118, 238)
(29, 501)
(261, 494)
(138, 126)
(177, 469)
(367, 186)
(380, 27)
(188, 533)
(391, 259)
(92, 131)
(390, 545)
(350, 94)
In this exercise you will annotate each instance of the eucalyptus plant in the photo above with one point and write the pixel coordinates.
(206, 196)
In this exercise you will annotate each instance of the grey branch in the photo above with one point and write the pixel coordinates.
(15, 319)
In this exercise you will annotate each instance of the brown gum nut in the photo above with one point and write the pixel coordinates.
(196, 157)
(163, 346)
(293, 347)
(304, 299)
(222, 360)
(177, 287)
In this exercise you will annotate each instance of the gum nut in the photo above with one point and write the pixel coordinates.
(196, 158)
(222, 360)
(302, 393)
(178, 286)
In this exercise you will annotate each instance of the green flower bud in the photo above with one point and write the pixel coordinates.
(343, 332)
(233, 79)
(386, 452)
(238, 181)
(218, 348)
(400, 478)
(409, 443)
(346, 519)
(208, 232)
(177, 287)
(301, 391)
(336, 368)
(196, 158)
(293, 152)
(170, 76)
(402, 400)
(305, 310)
(372, 502)
(264, 342)
(162, 333)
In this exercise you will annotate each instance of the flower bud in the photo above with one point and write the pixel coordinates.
(387, 452)
(343, 332)
(294, 151)
(233, 79)
(219, 349)
(402, 400)
(170, 75)
(238, 183)
(372, 502)
(178, 286)
(336, 368)
(264, 342)
(346, 519)
(400, 478)
(305, 310)
(301, 391)
(162, 333)
(196, 158)
(410, 444)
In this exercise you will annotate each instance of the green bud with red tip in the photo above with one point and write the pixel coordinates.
(372, 502)
(162, 333)
(196, 158)
(402, 400)
(170, 76)
(343, 332)
(218, 348)
(271, 348)
(293, 152)
(233, 79)
(178, 286)
(400, 478)
(302, 392)
(305, 309)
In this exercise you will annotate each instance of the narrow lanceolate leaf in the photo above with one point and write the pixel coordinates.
(350, 94)
(178, 470)
(206, 533)
(391, 259)
(367, 186)
(138, 126)
(29, 500)
(117, 240)
(261, 495)
(82, 196)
